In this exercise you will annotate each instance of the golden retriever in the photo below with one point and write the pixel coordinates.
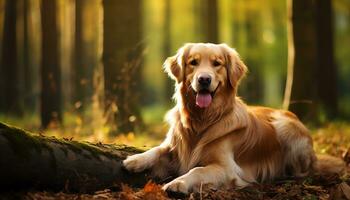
(214, 137)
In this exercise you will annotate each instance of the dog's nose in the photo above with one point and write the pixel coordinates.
(204, 80)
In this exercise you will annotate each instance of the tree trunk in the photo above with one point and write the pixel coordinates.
(10, 82)
(51, 113)
(304, 89)
(37, 162)
(290, 59)
(311, 82)
(30, 52)
(24, 60)
(327, 74)
(86, 51)
(209, 20)
(122, 58)
(29, 97)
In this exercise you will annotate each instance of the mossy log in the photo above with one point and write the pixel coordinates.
(29, 161)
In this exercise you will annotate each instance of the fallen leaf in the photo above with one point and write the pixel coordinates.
(150, 187)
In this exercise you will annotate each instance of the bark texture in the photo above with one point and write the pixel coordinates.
(30, 161)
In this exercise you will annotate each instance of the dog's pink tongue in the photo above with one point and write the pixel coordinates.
(203, 100)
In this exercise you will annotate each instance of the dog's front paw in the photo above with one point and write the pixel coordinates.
(177, 185)
(136, 163)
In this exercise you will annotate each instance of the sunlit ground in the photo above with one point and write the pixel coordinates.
(332, 138)
(85, 128)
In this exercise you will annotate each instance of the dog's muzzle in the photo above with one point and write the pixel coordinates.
(204, 81)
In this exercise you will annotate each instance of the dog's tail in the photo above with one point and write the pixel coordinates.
(326, 164)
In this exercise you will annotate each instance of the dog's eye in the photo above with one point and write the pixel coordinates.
(216, 63)
(194, 62)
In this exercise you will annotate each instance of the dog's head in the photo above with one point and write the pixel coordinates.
(208, 71)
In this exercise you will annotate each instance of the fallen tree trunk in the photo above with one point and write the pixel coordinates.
(38, 162)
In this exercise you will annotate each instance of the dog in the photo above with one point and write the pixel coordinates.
(214, 137)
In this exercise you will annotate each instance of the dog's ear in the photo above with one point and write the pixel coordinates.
(172, 67)
(175, 65)
(236, 69)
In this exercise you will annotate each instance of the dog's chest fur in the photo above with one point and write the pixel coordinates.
(189, 143)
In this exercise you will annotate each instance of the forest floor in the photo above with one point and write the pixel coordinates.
(332, 139)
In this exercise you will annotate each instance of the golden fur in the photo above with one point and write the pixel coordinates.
(227, 142)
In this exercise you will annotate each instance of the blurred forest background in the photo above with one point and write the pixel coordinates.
(92, 69)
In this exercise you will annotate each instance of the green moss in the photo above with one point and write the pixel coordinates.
(22, 142)
(78, 147)
(95, 150)
(128, 148)
(99, 149)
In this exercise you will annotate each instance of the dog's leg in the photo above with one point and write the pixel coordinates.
(142, 161)
(214, 174)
